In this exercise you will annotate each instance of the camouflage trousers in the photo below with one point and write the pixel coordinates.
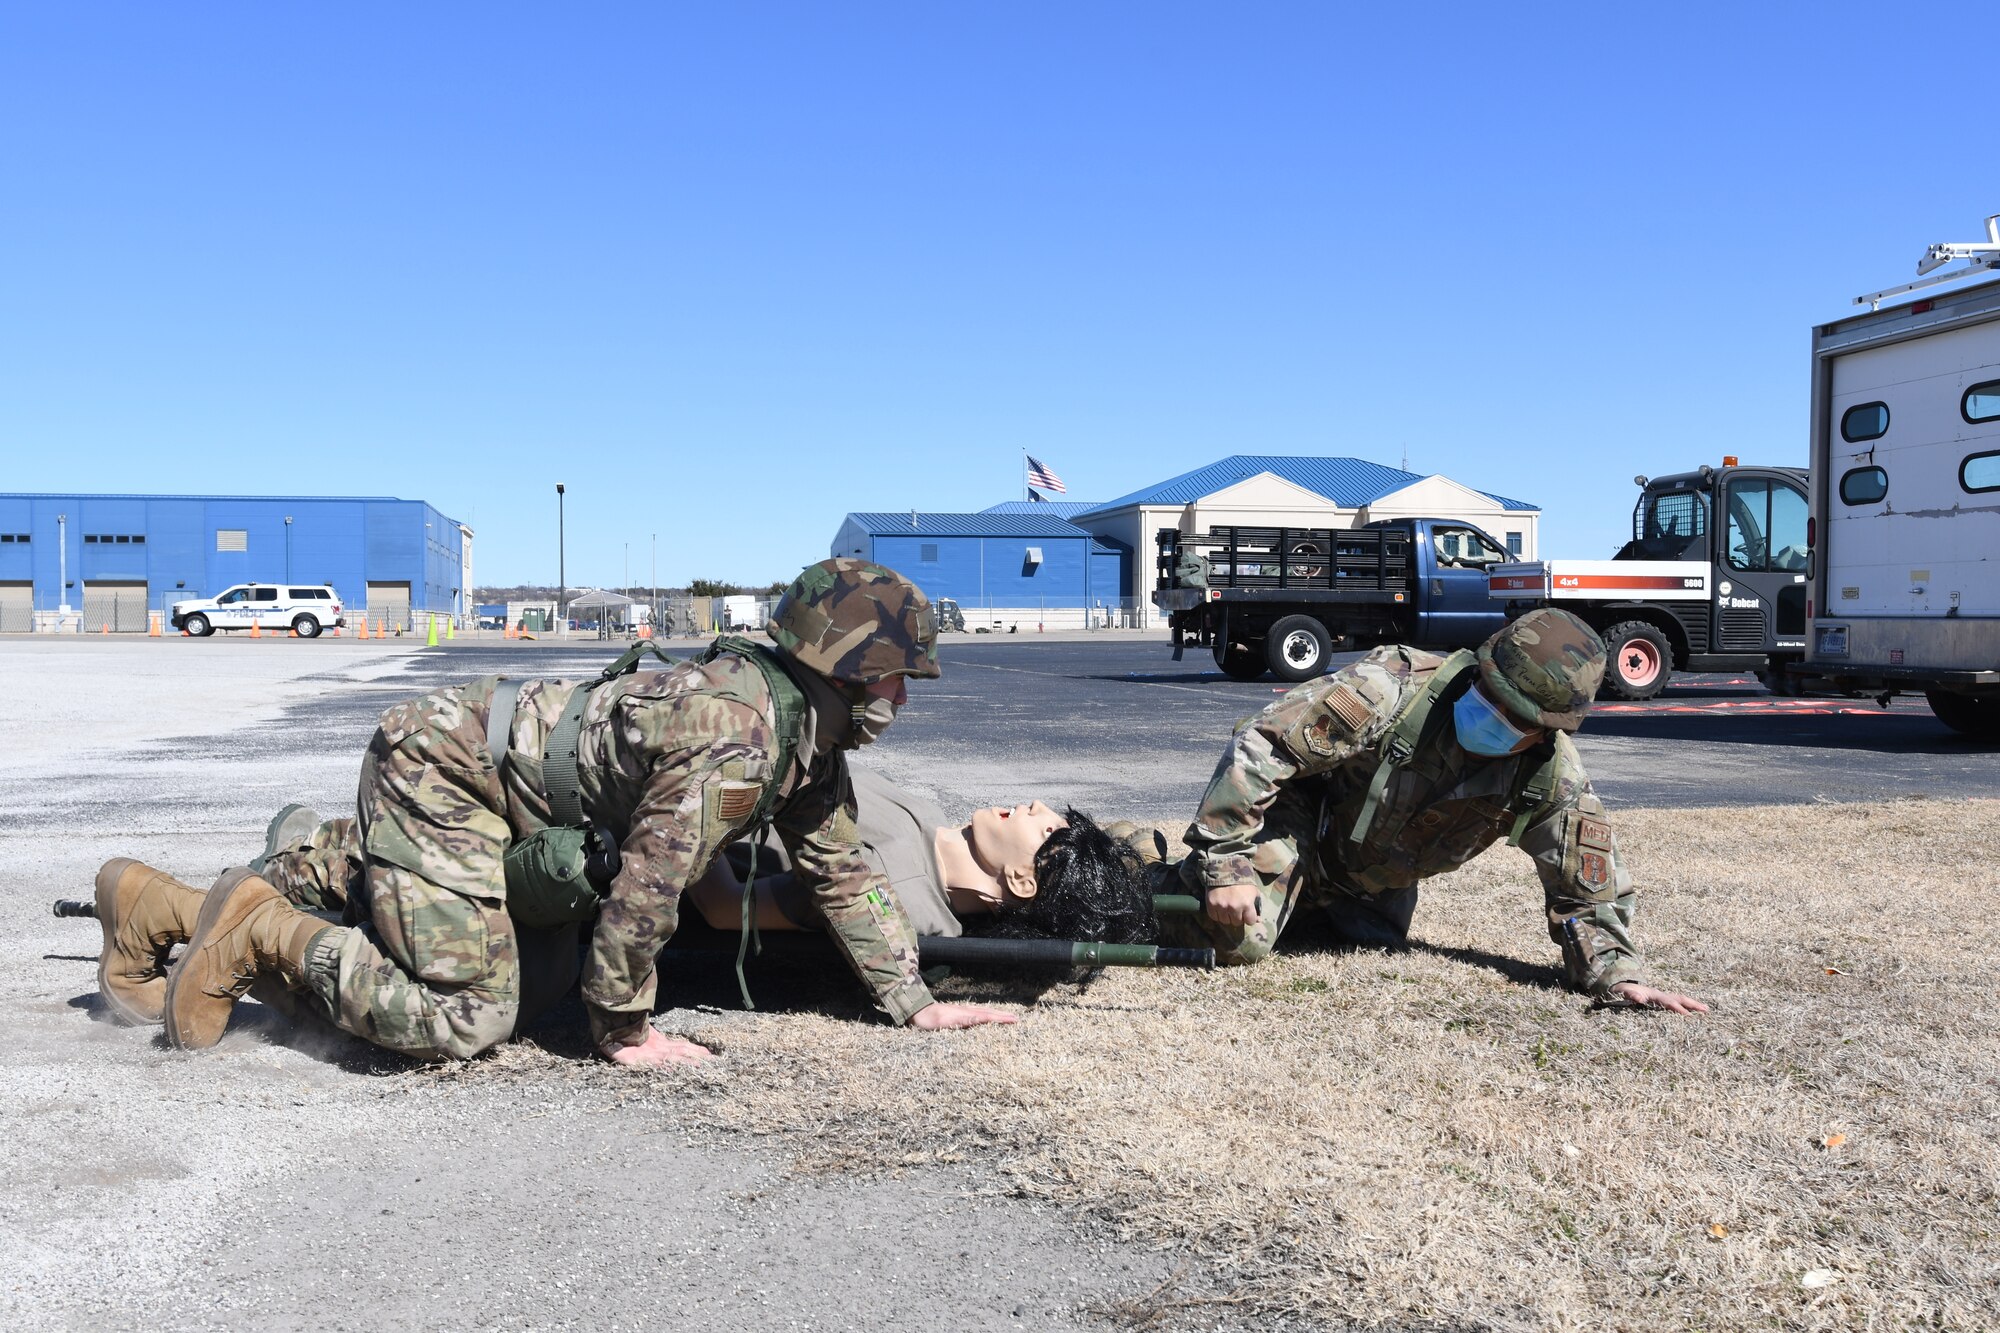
(322, 873)
(433, 966)
(1294, 873)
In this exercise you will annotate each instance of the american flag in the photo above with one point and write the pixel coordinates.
(1039, 475)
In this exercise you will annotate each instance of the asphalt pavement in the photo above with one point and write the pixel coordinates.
(1113, 725)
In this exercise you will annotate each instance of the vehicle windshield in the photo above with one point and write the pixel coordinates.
(232, 596)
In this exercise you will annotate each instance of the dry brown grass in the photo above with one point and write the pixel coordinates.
(1443, 1137)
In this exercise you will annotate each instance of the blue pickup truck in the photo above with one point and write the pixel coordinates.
(1284, 600)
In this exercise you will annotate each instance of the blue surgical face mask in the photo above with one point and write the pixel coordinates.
(1484, 729)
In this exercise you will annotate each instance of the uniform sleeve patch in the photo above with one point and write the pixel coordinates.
(1346, 703)
(1594, 869)
(1594, 833)
(738, 799)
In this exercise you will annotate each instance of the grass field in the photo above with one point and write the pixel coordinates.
(1443, 1137)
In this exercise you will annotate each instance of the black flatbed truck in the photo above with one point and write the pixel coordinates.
(1283, 599)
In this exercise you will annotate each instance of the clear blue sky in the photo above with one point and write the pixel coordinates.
(731, 271)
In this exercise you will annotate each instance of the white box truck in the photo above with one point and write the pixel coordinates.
(1904, 532)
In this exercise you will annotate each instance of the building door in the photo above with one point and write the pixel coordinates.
(118, 607)
(389, 604)
(17, 607)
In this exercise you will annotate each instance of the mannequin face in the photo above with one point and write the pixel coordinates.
(1004, 840)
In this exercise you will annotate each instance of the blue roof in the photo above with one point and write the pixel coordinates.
(1053, 508)
(921, 524)
(1348, 482)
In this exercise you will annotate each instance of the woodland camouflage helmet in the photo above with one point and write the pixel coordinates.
(1544, 668)
(857, 622)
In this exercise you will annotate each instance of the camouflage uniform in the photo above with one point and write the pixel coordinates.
(1293, 782)
(321, 873)
(671, 762)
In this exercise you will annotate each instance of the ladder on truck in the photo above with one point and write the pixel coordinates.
(1980, 256)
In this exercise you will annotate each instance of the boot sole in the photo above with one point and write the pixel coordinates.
(271, 845)
(214, 909)
(107, 917)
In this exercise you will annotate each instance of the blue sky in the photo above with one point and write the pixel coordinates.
(731, 271)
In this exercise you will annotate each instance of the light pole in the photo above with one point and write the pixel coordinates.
(653, 594)
(562, 574)
(288, 548)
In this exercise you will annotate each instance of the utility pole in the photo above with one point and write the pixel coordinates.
(653, 593)
(288, 548)
(562, 572)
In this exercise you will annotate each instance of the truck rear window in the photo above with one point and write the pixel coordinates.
(1980, 472)
(1864, 421)
(1863, 486)
(1981, 402)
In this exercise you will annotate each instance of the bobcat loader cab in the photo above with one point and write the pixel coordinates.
(1713, 579)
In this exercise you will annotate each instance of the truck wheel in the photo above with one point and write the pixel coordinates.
(1298, 648)
(1640, 661)
(1240, 663)
(1971, 715)
(307, 627)
(198, 626)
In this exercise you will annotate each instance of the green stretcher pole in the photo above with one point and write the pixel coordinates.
(969, 951)
(1176, 904)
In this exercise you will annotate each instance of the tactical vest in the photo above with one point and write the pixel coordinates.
(1410, 743)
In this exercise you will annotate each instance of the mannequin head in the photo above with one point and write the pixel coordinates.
(1088, 886)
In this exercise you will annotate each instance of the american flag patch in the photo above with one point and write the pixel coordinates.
(738, 799)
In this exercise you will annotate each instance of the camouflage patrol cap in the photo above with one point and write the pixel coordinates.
(1544, 668)
(857, 622)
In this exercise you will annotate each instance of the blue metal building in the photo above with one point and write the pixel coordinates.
(112, 558)
(1017, 564)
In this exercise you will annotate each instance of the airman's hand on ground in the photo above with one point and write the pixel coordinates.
(1234, 904)
(1634, 993)
(935, 1017)
(659, 1050)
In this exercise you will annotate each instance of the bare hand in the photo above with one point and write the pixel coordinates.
(1634, 993)
(935, 1017)
(1235, 904)
(659, 1050)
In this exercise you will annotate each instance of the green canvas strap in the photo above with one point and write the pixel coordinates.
(559, 776)
(1414, 726)
(1537, 785)
(500, 718)
(788, 701)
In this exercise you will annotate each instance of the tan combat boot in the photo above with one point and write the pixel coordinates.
(144, 913)
(246, 928)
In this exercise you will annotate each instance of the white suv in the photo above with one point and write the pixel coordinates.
(271, 606)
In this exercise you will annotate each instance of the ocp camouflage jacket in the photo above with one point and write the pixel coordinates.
(1324, 741)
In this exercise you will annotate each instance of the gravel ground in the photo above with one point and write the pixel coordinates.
(296, 1182)
(293, 1180)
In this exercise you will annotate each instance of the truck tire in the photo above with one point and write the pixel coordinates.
(1640, 661)
(197, 625)
(1298, 648)
(1970, 715)
(1240, 663)
(306, 627)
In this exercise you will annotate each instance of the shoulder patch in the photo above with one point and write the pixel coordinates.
(1345, 702)
(1594, 833)
(738, 799)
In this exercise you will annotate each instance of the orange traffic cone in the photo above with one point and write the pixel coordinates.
(364, 628)
(153, 625)
(295, 632)
(105, 628)
(256, 630)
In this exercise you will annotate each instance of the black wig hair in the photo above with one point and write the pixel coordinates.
(1090, 886)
